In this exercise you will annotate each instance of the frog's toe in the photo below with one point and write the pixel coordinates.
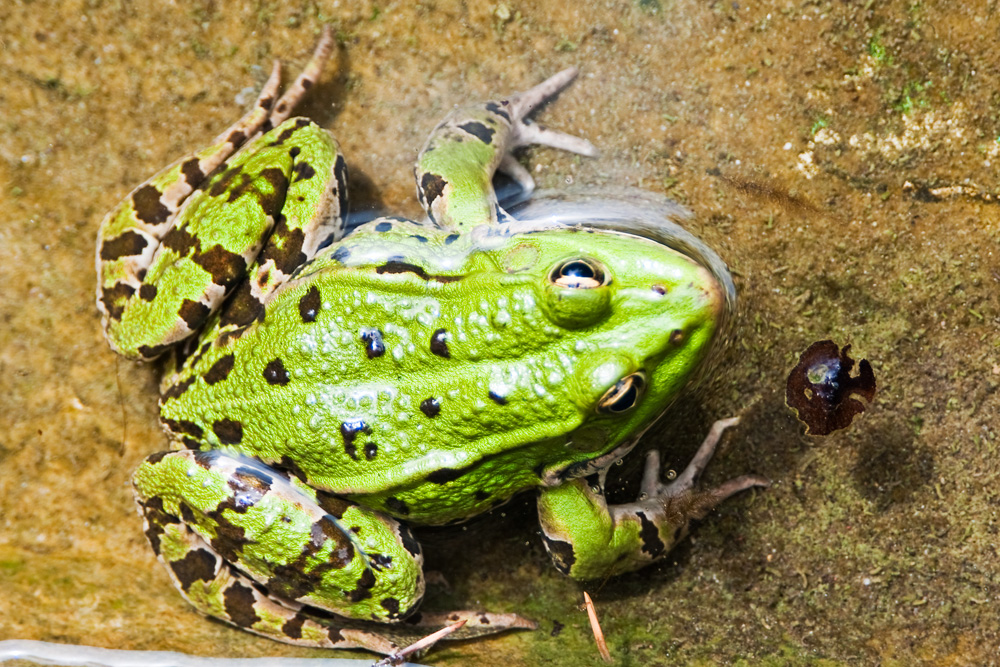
(697, 503)
(517, 173)
(529, 133)
(522, 104)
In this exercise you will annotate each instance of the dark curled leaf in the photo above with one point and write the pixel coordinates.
(820, 388)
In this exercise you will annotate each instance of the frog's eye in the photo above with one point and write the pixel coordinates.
(624, 395)
(579, 273)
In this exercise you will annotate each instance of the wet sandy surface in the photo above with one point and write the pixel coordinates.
(792, 130)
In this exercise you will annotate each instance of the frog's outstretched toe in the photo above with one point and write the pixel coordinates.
(697, 503)
(524, 104)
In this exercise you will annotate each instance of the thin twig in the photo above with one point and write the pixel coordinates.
(399, 656)
(595, 625)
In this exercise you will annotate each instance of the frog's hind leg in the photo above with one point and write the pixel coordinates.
(247, 545)
(266, 553)
(133, 235)
(455, 168)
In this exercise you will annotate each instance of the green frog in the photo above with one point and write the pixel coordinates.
(323, 393)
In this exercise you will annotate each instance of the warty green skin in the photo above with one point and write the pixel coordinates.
(322, 393)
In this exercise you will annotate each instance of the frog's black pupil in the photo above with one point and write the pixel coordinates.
(626, 400)
(578, 269)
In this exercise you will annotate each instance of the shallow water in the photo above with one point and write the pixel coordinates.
(790, 129)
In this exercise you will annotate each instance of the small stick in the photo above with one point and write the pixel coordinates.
(595, 626)
(399, 656)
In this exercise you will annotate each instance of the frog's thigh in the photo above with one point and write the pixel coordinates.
(588, 539)
(287, 187)
(300, 550)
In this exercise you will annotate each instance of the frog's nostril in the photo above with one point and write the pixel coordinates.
(660, 289)
(677, 336)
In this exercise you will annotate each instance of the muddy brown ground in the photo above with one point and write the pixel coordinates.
(841, 156)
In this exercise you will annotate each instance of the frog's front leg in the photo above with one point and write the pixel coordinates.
(171, 251)
(589, 539)
(455, 168)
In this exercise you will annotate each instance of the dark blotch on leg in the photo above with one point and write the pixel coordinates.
(127, 244)
(225, 267)
(243, 309)
(650, 536)
(284, 247)
(432, 187)
(146, 202)
(479, 131)
(147, 292)
(340, 173)
(497, 108)
(271, 202)
(192, 172)
(178, 389)
(114, 299)
(391, 605)
(561, 552)
(408, 541)
(363, 590)
(197, 565)
(182, 427)
(194, 313)
(303, 171)
(238, 601)
(293, 626)
(179, 240)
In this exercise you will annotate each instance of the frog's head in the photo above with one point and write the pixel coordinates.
(637, 317)
(640, 316)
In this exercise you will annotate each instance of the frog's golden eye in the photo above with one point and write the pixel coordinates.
(580, 273)
(624, 395)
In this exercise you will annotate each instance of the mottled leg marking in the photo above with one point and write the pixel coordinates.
(263, 552)
(455, 169)
(133, 232)
(589, 539)
(323, 552)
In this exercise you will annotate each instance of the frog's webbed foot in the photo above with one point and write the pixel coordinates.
(589, 539)
(523, 133)
(680, 497)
